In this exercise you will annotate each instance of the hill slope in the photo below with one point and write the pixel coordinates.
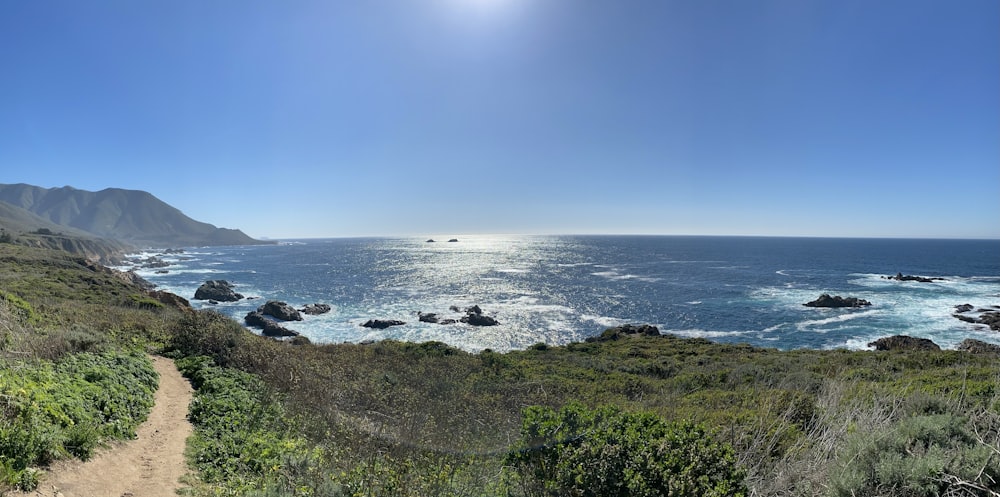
(128, 215)
(22, 227)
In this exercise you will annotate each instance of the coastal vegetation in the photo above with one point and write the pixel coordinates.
(621, 414)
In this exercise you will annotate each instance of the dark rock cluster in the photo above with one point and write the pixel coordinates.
(268, 326)
(988, 317)
(903, 342)
(266, 316)
(826, 300)
(919, 279)
(473, 315)
(217, 290)
(315, 309)
(626, 330)
(381, 324)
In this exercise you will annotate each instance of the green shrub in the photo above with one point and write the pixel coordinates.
(923, 455)
(144, 302)
(606, 452)
(18, 307)
(240, 437)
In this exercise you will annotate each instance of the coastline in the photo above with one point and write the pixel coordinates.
(773, 316)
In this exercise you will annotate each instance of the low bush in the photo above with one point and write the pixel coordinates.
(922, 455)
(606, 452)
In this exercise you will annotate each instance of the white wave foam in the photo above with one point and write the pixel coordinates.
(602, 320)
(694, 302)
(802, 325)
(616, 276)
(697, 333)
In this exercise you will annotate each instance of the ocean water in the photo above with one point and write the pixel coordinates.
(559, 289)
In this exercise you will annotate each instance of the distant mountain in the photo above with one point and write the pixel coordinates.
(132, 216)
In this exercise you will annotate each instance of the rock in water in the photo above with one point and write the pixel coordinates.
(268, 326)
(826, 300)
(920, 279)
(474, 316)
(903, 342)
(315, 309)
(381, 324)
(280, 310)
(219, 290)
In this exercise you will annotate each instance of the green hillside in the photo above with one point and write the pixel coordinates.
(132, 216)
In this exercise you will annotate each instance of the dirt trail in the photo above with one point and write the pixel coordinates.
(148, 466)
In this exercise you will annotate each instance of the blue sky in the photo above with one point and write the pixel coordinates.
(441, 117)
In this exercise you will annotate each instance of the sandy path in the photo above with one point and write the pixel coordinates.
(148, 466)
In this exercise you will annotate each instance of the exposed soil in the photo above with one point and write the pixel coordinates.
(149, 466)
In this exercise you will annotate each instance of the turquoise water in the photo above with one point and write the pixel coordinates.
(565, 288)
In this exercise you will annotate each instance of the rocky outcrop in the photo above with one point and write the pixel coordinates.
(280, 310)
(903, 342)
(626, 330)
(218, 290)
(978, 347)
(381, 324)
(431, 317)
(826, 300)
(474, 316)
(907, 277)
(170, 299)
(267, 326)
(315, 309)
(453, 240)
(987, 317)
(153, 263)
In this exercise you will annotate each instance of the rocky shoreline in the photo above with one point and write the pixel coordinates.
(271, 318)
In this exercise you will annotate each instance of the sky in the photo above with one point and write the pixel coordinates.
(340, 118)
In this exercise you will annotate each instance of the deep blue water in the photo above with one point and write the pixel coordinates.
(565, 288)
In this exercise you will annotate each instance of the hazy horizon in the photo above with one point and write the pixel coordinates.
(331, 120)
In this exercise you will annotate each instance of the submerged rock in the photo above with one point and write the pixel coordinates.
(218, 290)
(280, 310)
(381, 324)
(903, 342)
(826, 300)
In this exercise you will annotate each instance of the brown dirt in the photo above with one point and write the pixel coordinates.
(149, 466)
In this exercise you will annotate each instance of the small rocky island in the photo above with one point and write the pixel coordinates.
(217, 290)
(826, 300)
(918, 279)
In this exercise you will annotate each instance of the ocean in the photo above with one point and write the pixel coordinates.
(560, 289)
